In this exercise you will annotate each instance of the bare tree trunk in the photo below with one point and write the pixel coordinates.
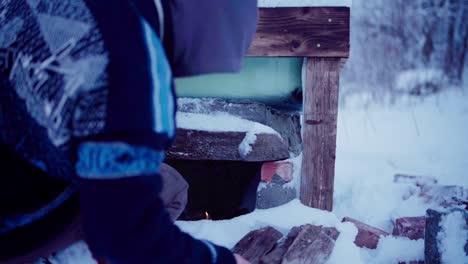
(456, 40)
(450, 39)
(463, 31)
(428, 46)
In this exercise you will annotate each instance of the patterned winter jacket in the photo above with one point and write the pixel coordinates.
(87, 101)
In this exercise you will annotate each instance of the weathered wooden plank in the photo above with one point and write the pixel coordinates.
(313, 245)
(286, 123)
(319, 132)
(209, 145)
(302, 32)
(257, 243)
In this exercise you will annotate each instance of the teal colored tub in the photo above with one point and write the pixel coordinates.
(271, 80)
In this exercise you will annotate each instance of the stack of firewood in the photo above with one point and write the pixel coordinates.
(311, 244)
(304, 244)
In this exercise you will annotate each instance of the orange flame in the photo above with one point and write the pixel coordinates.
(207, 216)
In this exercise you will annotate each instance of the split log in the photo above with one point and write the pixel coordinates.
(209, 145)
(276, 255)
(434, 239)
(313, 245)
(257, 243)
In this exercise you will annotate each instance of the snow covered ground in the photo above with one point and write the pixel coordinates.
(426, 137)
(419, 137)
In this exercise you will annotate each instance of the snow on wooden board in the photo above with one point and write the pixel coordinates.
(220, 122)
(304, 3)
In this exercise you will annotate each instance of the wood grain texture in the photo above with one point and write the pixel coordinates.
(307, 244)
(276, 255)
(313, 245)
(319, 132)
(257, 243)
(209, 145)
(302, 32)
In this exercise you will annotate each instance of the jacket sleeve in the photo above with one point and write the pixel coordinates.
(123, 216)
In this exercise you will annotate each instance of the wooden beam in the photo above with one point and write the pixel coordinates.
(302, 32)
(319, 132)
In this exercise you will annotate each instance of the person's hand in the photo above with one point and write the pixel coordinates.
(240, 259)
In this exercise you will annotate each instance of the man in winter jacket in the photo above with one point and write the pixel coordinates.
(86, 111)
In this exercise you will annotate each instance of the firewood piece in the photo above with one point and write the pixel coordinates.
(368, 236)
(276, 255)
(410, 227)
(313, 245)
(257, 243)
(209, 145)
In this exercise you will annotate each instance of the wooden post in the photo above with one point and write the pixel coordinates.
(319, 132)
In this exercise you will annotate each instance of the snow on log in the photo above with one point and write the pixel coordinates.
(367, 236)
(245, 147)
(220, 136)
(446, 239)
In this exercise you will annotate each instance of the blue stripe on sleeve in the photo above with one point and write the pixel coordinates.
(161, 77)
